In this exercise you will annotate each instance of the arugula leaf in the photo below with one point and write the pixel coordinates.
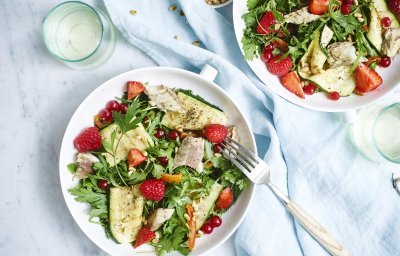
(72, 168)
(251, 4)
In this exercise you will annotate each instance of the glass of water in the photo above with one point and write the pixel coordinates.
(79, 35)
(376, 132)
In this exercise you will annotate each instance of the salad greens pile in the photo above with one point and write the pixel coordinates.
(173, 234)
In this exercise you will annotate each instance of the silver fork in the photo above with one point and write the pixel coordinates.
(259, 173)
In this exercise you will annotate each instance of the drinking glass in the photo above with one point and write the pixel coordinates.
(376, 132)
(79, 35)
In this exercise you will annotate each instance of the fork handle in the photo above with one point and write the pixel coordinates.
(311, 225)
(316, 230)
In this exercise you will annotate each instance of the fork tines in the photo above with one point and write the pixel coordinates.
(240, 156)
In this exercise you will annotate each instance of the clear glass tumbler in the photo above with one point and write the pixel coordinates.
(376, 132)
(79, 35)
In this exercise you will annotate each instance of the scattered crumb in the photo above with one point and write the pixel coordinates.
(133, 12)
(181, 13)
(196, 43)
(176, 37)
(172, 7)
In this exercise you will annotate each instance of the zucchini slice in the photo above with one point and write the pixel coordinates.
(305, 61)
(206, 204)
(374, 34)
(318, 58)
(126, 209)
(339, 79)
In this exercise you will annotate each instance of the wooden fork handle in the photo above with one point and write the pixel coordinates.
(316, 230)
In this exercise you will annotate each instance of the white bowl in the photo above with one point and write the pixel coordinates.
(318, 101)
(83, 117)
(215, 6)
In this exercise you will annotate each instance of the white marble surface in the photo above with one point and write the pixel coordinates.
(38, 95)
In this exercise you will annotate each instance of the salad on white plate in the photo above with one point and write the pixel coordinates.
(328, 46)
(151, 170)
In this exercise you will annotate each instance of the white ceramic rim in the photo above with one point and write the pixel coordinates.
(312, 102)
(62, 167)
(216, 6)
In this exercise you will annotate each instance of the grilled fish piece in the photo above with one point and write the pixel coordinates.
(190, 153)
(164, 98)
(85, 165)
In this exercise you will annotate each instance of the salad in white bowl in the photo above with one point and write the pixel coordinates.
(151, 170)
(325, 46)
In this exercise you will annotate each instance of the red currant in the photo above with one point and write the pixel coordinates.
(123, 108)
(160, 133)
(386, 22)
(163, 160)
(269, 47)
(113, 105)
(102, 184)
(266, 57)
(173, 135)
(385, 62)
(207, 228)
(217, 148)
(105, 114)
(309, 89)
(346, 9)
(334, 95)
(215, 221)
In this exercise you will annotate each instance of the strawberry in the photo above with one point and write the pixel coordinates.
(216, 133)
(225, 199)
(291, 81)
(144, 235)
(89, 139)
(267, 24)
(279, 67)
(153, 189)
(366, 79)
(394, 6)
(136, 157)
(318, 6)
(134, 89)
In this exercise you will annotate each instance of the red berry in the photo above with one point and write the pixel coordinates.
(160, 133)
(216, 133)
(394, 6)
(334, 95)
(346, 9)
(89, 139)
(215, 221)
(163, 160)
(217, 148)
(144, 235)
(267, 23)
(225, 199)
(113, 105)
(207, 228)
(386, 22)
(269, 47)
(105, 114)
(123, 108)
(266, 57)
(279, 67)
(153, 189)
(348, 2)
(102, 184)
(385, 62)
(309, 89)
(173, 135)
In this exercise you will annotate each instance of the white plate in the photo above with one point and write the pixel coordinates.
(318, 101)
(83, 117)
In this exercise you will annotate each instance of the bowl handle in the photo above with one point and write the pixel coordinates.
(209, 73)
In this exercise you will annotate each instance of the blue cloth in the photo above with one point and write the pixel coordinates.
(308, 151)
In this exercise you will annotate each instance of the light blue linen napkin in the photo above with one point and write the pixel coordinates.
(308, 152)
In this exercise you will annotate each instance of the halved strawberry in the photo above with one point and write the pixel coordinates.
(216, 133)
(144, 235)
(291, 81)
(136, 157)
(225, 199)
(318, 6)
(267, 24)
(366, 79)
(88, 140)
(134, 89)
(279, 67)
